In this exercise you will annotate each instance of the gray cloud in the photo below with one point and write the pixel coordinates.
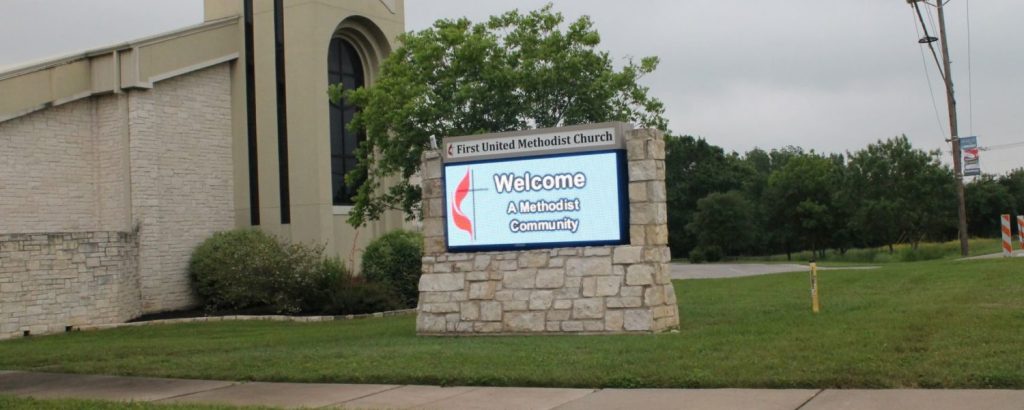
(827, 75)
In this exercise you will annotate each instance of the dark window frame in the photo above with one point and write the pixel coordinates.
(344, 66)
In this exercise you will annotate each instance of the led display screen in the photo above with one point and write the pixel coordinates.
(559, 200)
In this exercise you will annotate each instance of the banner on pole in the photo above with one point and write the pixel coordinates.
(969, 150)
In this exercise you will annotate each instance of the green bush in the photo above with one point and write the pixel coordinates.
(228, 270)
(248, 270)
(697, 256)
(341, 293)
(706, 253)
(395, 261)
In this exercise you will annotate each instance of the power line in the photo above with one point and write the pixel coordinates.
(1002, 146)
(927, 74)
(970, 79)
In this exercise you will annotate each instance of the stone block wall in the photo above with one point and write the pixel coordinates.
(181, 177)
(48, 171)
(49, 281)
(75, 177)
(603, 289)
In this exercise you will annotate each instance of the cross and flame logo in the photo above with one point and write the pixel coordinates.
(459, 217)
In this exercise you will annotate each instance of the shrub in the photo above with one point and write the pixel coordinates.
(294, 279)
(341, 293)
(394, 260)
(706, 253)
(697, 256)
(249, 270)
(227, 268)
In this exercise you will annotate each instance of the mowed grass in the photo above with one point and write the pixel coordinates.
(18, 403)
(923, 324)
(903, 252)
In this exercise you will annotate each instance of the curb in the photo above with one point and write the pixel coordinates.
(273, 318)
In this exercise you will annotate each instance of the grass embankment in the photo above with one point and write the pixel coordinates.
(901, 253)
(18, 403)
(925, 324)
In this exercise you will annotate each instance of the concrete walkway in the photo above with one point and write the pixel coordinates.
(381, 396)
(735, 270)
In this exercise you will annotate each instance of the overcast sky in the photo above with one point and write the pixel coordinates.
(826, 75)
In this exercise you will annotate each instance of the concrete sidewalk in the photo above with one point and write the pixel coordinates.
(381, 396)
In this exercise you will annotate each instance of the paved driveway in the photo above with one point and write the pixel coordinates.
(735, 270)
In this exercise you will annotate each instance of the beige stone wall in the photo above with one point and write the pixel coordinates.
(47, 170)
(604, 289)
(51, 281)
(181, 178)
(93, 171)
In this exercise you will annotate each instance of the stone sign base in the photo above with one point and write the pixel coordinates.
(603, 289)
(582, 290)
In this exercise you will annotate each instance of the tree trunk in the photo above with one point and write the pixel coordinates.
(890, 249)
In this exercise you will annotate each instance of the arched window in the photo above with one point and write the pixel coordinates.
(344, 66)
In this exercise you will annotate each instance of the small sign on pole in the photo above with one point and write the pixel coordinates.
(814, 288)
(969, 148)
(1007, 236)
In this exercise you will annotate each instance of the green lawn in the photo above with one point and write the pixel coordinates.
(901, 253)
(17, 403)
(923, 324)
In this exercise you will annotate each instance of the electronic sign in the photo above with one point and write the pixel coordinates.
(569, 198)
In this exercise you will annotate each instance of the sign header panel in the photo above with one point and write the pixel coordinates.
(574, 199)
(591, 137)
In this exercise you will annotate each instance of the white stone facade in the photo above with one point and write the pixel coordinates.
(145, 172)
(51, 281)
(603, 289)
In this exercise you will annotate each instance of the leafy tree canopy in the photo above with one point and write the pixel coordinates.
(515, 71)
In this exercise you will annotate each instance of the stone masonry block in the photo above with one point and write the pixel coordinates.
(541, 299)
(589, 266)
(592, 308)
(639, 275)
(637, 320)
(533, 259)
(490, 311)
(643, 170)
(440, 282)
(524, 321)
(627, 254)
(550, 278)
(608, 285)
(520, 279)
(482, 290)
(638, 191)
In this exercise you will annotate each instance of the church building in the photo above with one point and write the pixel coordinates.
(115, 163)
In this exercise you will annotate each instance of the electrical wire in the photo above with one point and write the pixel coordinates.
(931, 47)
(927, 74)
(970, 79)
(1002, 146)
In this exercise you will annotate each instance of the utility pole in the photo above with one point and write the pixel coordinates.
(953, 132)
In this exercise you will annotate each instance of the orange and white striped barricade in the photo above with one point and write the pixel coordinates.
(1020, 231)
(1007, 236)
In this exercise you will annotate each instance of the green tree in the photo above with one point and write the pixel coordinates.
(722, 220)
(515, 71)
(800, 200)
(987, 198)
(905, 193)
(694, 169)
(1014, 183)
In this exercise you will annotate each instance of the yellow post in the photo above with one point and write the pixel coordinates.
(814, 287)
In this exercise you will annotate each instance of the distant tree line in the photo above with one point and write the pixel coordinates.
(789, 200)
